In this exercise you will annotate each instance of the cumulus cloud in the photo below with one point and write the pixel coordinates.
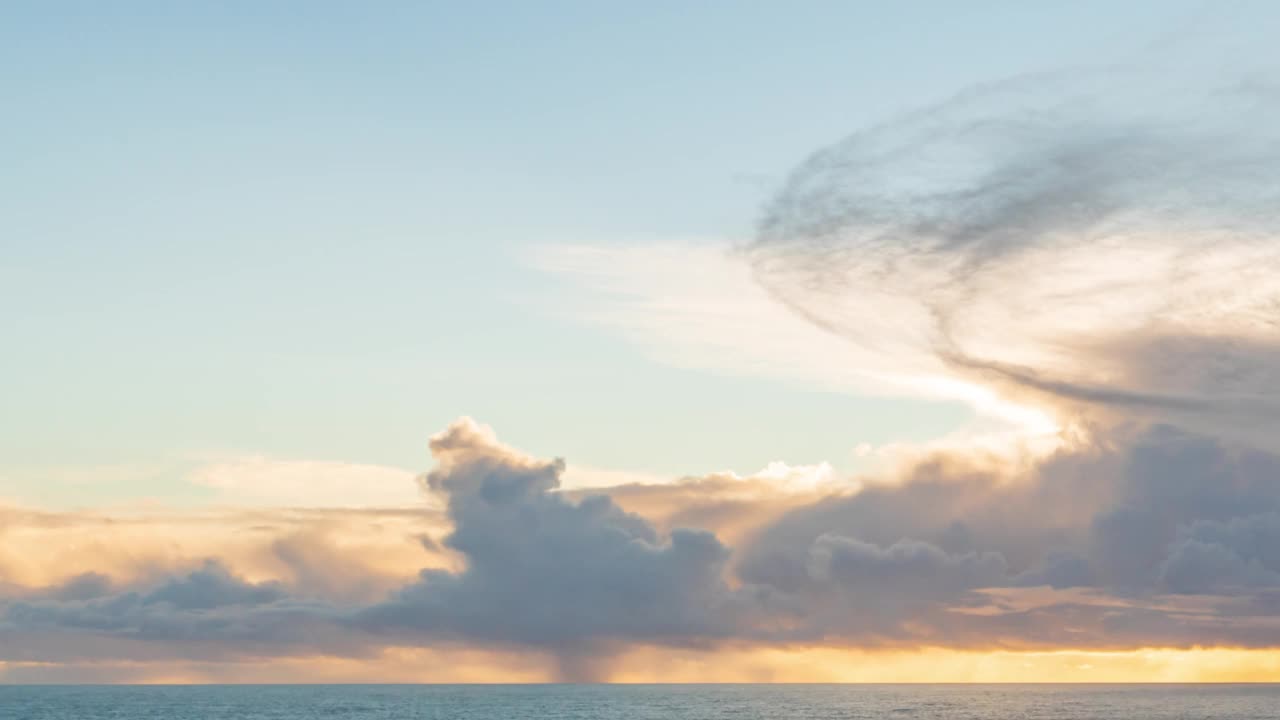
(544, 571)
(907, 567)
(1241, 552)
(726, 503)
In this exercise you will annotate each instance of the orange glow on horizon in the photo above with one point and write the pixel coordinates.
(661, 665)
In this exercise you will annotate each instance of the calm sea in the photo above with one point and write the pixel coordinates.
(636, 702)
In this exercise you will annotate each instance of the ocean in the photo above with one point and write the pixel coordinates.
(640, 702)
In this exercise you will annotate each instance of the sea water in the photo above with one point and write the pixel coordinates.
(640, 702)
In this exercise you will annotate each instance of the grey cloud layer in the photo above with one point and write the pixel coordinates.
(1161, 538)
(1162, 516)
(207, 613)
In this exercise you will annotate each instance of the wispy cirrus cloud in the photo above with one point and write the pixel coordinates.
(1092, 239)
(698, 304)
(259, 480)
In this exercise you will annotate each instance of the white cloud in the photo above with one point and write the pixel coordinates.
(697, 304)
(579, 477)
(257, 480)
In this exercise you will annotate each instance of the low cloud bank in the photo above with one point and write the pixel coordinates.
(1160, 538)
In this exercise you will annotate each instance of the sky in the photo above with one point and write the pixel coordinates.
(593, 341)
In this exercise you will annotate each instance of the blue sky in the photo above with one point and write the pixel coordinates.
(306, 231)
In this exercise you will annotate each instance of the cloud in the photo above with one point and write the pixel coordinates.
(1241, 552)
(206, 613)
(1158, 537)
(333, 553)
(904, 570)
(1098, 247)
(212, 586)
(693, 304)
(1096, 240)
(258, 481)
(1091, 254)
(548, 572)
(727, 504)
(566, 578)
(1170, 534)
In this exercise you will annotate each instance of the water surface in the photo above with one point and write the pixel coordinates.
(641, 702)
